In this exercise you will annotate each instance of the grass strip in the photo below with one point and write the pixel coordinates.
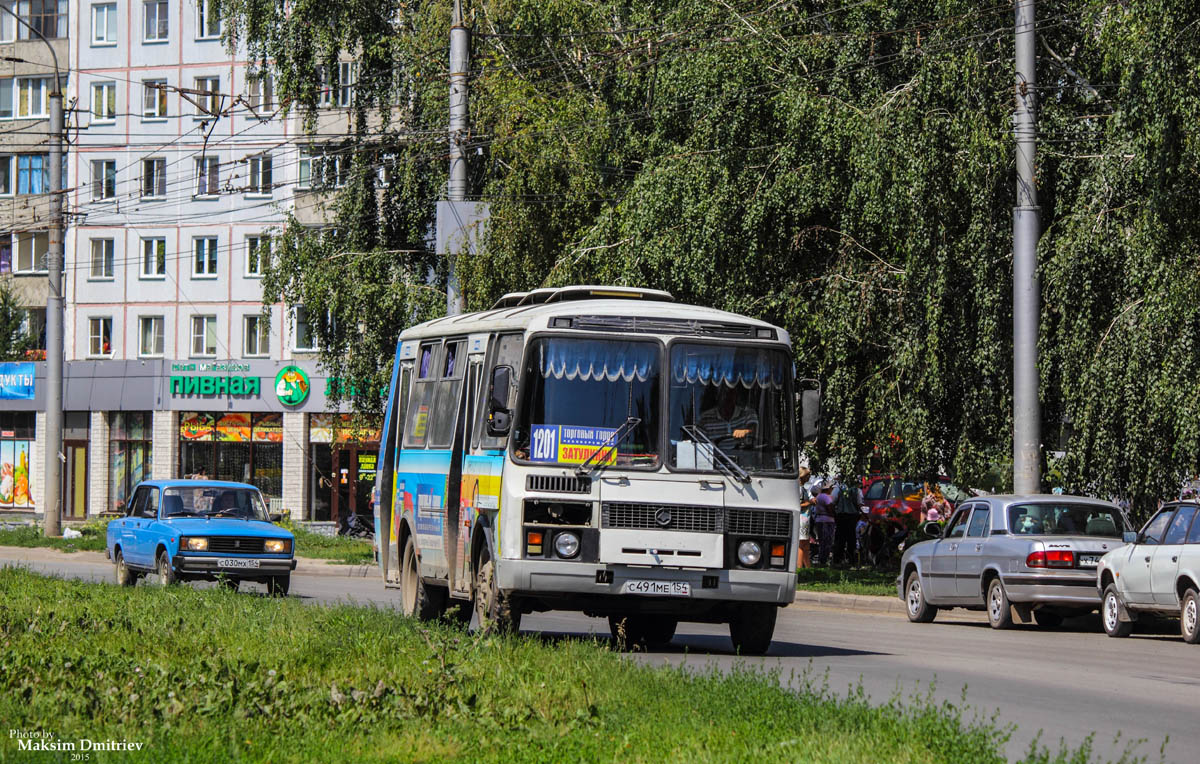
(213, 676)
(866, 581)
(340, 549)
(31, 536)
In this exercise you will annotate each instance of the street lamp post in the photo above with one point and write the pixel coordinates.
(54, 301)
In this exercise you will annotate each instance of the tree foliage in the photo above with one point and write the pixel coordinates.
(14, 338)
(844, 169)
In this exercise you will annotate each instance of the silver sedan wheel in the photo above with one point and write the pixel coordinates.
(915, 596)
(1189, 616)
(995, 602)
(1111, 612)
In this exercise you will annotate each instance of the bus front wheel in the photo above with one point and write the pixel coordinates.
(752, 628)
(495, 609)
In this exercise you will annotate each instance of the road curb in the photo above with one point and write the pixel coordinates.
(860, 602)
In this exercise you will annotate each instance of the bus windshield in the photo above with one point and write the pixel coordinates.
(736, 397)
(576, 393)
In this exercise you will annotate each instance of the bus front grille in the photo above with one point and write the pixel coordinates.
(667, 517)
(760, 522)
(558, 483)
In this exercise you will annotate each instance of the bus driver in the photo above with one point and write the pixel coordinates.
(728, 424)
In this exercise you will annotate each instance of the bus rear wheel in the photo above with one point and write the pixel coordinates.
(495, 609)
(417, 600)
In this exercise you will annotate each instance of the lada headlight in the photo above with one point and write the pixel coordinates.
(277, 546)
(194, 543)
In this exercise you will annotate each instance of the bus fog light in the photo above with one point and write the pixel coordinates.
(566, 545)
(749, 553)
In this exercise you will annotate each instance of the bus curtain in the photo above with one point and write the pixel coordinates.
(747, 367)
(597, 359)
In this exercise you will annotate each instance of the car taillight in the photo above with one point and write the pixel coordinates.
(1055, 558)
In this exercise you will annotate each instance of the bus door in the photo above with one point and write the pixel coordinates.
(460, 486)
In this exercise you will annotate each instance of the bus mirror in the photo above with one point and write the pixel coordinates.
(810, 414)
(499, 418)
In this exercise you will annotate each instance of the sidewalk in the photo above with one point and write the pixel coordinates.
(305, 566)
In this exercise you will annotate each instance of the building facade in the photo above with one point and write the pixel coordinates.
(180, 169)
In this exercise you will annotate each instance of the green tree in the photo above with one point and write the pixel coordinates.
(14, 339)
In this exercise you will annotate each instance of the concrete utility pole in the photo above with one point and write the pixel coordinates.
(1027, 414)
(457, 189)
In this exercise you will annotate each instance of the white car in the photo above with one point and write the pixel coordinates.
(1159, 572)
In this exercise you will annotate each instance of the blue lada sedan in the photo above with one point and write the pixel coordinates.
(200, 530)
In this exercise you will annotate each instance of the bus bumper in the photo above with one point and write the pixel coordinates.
(556, 578)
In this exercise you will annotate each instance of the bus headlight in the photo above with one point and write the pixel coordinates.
(749, 553)
(566, 544)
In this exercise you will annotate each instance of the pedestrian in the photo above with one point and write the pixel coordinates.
(803, 542)
(934, 507)
(846, 511)
(860, 536)
(823, 524)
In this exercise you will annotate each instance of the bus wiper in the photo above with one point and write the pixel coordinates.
(724, 461)
(610, 444)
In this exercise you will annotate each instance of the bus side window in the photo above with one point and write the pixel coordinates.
(417, 421)
(506, 350)
(401, 406)
(444, 409)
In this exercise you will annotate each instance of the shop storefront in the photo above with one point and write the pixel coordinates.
(131, 457)
(243, 447)
(342, 470)
(16, 460)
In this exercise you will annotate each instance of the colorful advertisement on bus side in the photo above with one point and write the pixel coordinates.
(569, 443)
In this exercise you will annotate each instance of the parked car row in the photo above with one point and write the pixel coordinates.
(200, 530)
(1051, 557)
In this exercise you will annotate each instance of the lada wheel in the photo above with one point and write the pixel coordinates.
(915, 605)
(1110, 614)
(125, 576)
(1189, 617)
(495, 609)
(751, 630)
(999, 610)
(166, 575)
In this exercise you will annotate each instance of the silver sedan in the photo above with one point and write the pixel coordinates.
(1035, 554)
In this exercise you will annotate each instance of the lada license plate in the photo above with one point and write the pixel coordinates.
(1089, 560)
(658, 588)
(236, 563)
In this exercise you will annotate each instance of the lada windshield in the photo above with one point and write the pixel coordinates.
(739, 398)
(576, 393)
(213, 501)
(1051, 519)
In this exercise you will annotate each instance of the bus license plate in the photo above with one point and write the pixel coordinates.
(235, 563)
(658, 588)
(1089, 560)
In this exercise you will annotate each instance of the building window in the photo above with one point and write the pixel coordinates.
(104, 101)
(154, 99)
(31, 252)
(100, 336)
(102, 259)
(16, 459)
(104, 179)
(104, 24)
(6, 94)
(150, 332)
(207, 176)
(6, 162)
(33, 95)
(204, 335)
(256, 337)
(154, 177)
(304, 339)
(208, 20)
(129, 436)
(209, 104)
(321, 169)
(158, 25)
(35, 326)
(8, 25)
(33, 176)
(347, 79)
(247, 448)
(47, 17)
(258, 252)
(261, 93)
(260, 175)
(154, 258)
(205, 265)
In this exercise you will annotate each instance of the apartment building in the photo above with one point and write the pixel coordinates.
(180, 166)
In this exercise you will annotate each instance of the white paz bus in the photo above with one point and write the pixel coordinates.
(597, 449)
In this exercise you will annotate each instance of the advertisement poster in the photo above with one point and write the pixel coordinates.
(16, 381)
(233, 428)
(268, 428)
(14, 474)
(569, 444)
(195, 426)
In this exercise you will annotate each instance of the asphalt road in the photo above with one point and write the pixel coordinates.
(1059, 686)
